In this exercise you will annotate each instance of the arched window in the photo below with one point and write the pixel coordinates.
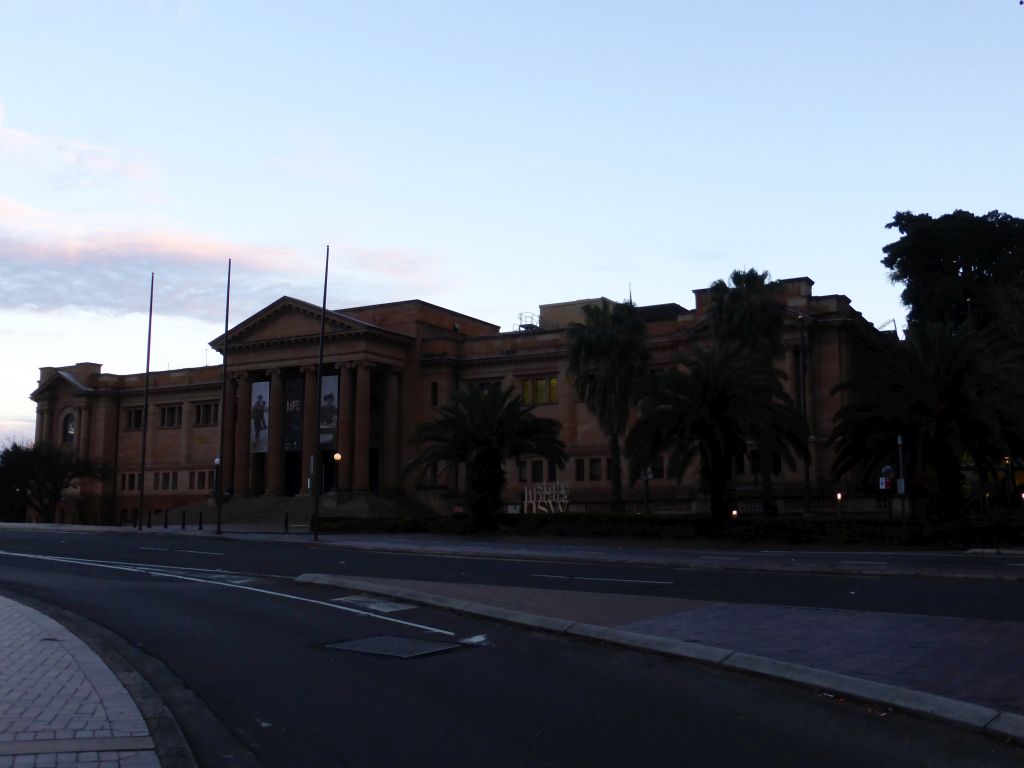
(67, 430)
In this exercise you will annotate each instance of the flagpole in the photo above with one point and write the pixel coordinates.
(317, 461)
(145, 407)
(223, 406)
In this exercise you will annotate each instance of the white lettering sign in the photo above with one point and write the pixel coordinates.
(546, 498)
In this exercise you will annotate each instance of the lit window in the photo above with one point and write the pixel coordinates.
(540, 391)
(67, 430)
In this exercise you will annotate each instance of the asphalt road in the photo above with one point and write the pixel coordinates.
(226, 618)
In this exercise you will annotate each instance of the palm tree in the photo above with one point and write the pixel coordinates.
(951, 393)
(746, 312)
(608, 359)
(709, 411)
(481, 428)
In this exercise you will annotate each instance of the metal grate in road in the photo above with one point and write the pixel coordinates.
(400, 647)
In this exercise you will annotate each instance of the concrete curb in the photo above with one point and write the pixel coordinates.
(972, 716)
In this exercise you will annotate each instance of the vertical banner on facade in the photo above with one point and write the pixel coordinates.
(329, 411)
(259, 416)
(293, 391)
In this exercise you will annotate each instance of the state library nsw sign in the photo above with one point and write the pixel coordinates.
(546, 498)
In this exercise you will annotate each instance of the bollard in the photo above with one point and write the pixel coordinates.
(167, 514)
(183, 519)
(200, 519)
(286, 522)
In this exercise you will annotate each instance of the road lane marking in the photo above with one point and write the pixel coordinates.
(861, 562)
(157, 571)
(596, 578)
(199, 552)
(156, 549)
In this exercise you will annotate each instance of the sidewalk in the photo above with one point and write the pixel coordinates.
(60, 705)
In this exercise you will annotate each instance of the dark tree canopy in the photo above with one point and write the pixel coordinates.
(959, 267)
(482, 427)
(711, 411)
(36, 476)
(746, 311)
(608, 360)
(953, 394)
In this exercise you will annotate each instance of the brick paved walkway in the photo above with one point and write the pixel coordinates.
(60, 705)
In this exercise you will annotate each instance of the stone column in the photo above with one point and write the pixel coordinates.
(392, 448)
(275, 436)
(82, 414)
(242, 453)
(229, 413)
(361, 436)
(346, 421)
(310, 429)
(44, 423)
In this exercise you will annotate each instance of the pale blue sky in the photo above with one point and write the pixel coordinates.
(486, 156)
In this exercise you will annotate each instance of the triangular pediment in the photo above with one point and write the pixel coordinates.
(290, 320)
(59, 380)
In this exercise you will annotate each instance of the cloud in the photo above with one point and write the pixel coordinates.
(68, 162)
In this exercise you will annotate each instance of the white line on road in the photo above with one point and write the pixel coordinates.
(199, 552)
(861, 562)
(596, 578)
(151, 571)
(156, 549)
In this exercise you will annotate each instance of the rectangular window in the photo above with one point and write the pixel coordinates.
(207, 414)
(537, 471)
(540, 391)
(156, 481)
(433, 393)
(595, 469)
(191, 481)
(170, 416)
(581, 468)
(133, 418)
(201, 485)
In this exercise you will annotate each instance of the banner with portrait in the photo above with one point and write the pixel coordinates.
(293, 392)
(329, 411)
(259, 416)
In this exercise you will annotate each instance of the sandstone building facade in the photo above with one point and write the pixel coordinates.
(387, 367)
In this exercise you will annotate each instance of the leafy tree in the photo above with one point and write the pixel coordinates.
(481, 428)
(608, 360)
(36, 476)
(746, 312)
(709, 411)
(952, 393)
(959, 267)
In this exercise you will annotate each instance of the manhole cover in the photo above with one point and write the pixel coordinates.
(402, 647)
